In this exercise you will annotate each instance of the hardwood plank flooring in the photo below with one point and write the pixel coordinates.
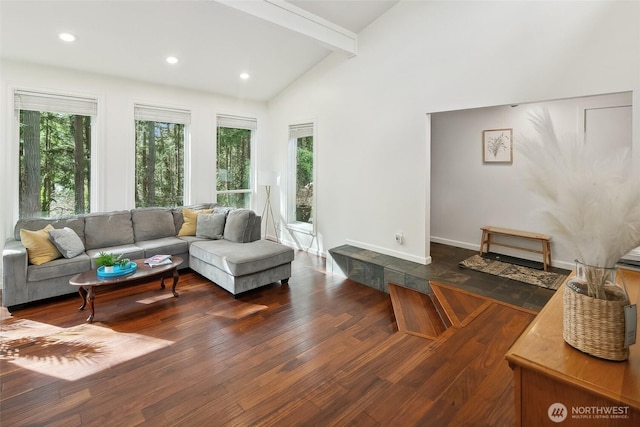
(416, 313)
(319, 351)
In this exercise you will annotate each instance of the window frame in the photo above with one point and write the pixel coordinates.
(292, 223)
(54, 97)
(163, 114)
(234, 121)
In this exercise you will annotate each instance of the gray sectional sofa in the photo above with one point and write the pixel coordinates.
(226, 249)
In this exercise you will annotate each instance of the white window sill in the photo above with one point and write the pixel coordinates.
(301, 227)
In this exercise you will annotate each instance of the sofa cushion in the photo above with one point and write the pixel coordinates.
(239, 259)
(40, 249)
(58, 268)
(152, 223)
(102, 230)
(222, 209)
(164, 246)
(239, 225)
(191, 239)
(76, 223)
(190, 218)
(210, 226)
(130, 251)
(67, 242)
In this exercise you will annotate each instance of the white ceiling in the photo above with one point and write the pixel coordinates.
(214, 42)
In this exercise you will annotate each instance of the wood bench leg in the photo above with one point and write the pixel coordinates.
(547, 254)
(485, 239)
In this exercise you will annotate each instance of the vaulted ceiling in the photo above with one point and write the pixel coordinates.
(274, 41)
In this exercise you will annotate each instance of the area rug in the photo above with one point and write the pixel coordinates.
(68, 353)
(544, 279)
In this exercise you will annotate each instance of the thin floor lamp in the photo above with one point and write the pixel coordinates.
(270, 179)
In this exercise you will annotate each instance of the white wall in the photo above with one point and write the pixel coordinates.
(116, 98)
(497, 193)
(426, 57)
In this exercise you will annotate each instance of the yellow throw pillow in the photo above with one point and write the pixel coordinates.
(39, 248)
(191, 221)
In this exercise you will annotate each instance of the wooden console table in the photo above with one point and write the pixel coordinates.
(88, 282)
(489, 231)
(548, 371)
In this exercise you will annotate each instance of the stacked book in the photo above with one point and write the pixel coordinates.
(158, 260)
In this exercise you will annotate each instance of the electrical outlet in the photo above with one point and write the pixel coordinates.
(399, 237)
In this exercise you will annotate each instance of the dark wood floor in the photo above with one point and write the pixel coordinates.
(321, 350)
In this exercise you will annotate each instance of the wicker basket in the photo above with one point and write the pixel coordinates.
(595, 326)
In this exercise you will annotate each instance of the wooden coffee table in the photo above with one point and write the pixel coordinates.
(88, 281)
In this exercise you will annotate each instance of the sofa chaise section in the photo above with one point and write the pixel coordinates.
(236, 259)
(240, 267)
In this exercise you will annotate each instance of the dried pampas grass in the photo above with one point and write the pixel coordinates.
(590, 197)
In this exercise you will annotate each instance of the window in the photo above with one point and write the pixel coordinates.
(234, 141)
(160, 146)
(54, 153)
(301, 200)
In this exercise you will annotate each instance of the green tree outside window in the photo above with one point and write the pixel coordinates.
(304, 179)
(159, 164)
(233, 165)
(55, 161)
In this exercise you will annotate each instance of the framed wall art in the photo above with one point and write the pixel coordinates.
(497, 146)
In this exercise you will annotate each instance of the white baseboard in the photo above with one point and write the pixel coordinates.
(457, 244)
(397, 254)
(298, 246)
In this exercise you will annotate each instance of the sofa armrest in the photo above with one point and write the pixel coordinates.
(14, 273)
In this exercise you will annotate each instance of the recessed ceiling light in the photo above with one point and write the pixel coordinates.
(244, 76)
(68, 37)
(172, 60)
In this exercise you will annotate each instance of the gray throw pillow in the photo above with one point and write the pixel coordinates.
(239, 225)
(210, 226)
(152, 223)
(67, 242)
